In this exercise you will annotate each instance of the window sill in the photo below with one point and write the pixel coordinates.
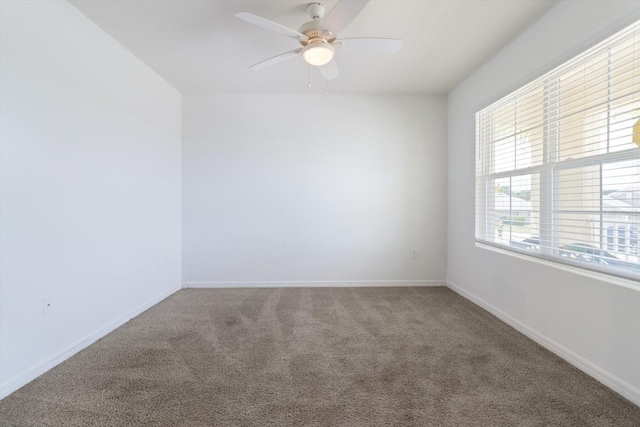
(619, 281)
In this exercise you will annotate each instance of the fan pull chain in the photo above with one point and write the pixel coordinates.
(309, 76)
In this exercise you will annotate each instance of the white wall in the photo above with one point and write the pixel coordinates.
(593, 323)
(90, 186)
(298, 188)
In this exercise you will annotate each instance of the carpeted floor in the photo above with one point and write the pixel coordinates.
(316, 357)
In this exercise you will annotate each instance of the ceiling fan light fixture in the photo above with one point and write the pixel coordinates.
(318, 53)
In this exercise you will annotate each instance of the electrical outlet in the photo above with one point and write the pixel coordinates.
(414, 254)
(47, 305)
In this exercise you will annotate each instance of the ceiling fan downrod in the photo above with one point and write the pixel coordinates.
(315, 11)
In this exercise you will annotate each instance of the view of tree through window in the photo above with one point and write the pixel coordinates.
(558, 162)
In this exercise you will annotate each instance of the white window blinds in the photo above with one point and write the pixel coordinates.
(558, 162)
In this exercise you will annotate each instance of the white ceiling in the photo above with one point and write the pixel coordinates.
(199, 46)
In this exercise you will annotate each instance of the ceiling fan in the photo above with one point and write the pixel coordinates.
(318, 37)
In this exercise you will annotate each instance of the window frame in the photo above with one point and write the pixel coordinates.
(548, 172)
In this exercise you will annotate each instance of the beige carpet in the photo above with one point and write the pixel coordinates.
(316, 357)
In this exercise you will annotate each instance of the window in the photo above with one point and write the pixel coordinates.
(558, 162)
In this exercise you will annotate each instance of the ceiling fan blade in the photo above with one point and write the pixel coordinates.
(370, 45)
(270, 25)
(330, 70)
(342, 14)
(276, 59)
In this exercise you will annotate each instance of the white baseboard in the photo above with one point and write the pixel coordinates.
(316, 284)
(614, 383)
(14, 383)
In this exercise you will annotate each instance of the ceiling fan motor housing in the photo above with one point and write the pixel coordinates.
(314, 31)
